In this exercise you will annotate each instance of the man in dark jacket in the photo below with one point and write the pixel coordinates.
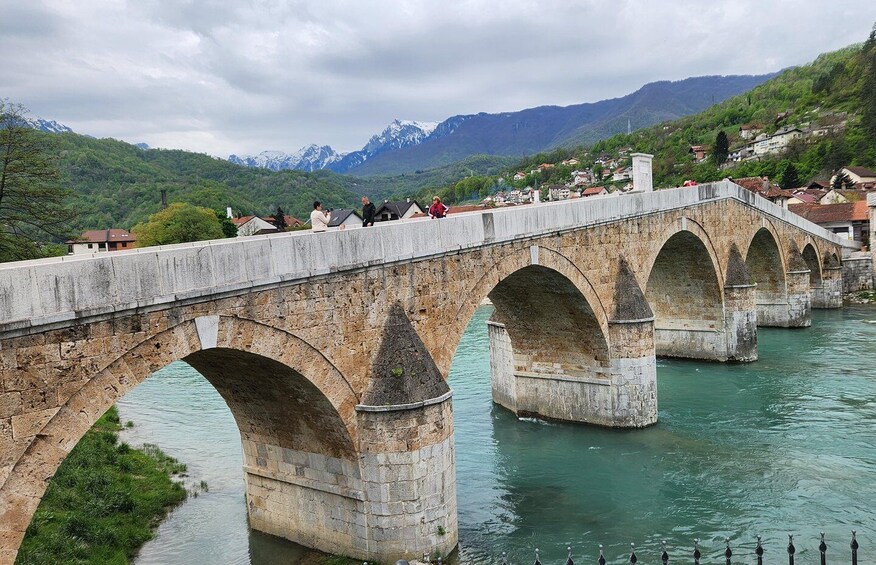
(368, 212)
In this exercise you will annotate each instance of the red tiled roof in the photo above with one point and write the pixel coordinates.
(861, 171)
(104, 236)
(593, 190)
(826, 213)
(807, 198)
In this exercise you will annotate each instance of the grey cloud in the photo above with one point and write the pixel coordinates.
(241, 77)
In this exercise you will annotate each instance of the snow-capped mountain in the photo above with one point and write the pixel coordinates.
(397, 135)
(310, 158)
(50, 126)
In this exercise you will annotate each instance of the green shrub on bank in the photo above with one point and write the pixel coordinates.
(104, 502)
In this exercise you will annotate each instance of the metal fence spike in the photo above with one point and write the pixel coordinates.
(633, 558)
(569, 560)
(727, 552)
(601, 559)
(664, 557)
(759, 552)
(854, 546)
(504, 558)
(696, 553)
(822, 548)
(791, 549)
(537, 560)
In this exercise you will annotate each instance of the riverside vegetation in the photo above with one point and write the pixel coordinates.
(104, 501)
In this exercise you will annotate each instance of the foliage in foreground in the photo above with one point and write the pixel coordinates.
(180, 223)
(103, 502)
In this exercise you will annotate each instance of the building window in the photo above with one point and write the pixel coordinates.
(89, 246)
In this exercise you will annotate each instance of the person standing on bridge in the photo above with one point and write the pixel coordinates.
(437, 209)
(319, 220)
(368, 212)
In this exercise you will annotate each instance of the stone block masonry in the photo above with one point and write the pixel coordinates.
(331, 350)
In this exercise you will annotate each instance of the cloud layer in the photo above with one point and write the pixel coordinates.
(242, 77)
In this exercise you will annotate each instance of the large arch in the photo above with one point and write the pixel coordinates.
(290, 420)
(767, 269)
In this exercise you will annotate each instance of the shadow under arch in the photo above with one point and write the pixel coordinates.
(685, 293)
(767, 269)
(303, 416)
(810, 255)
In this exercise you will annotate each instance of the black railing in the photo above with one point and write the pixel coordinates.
(665, 556)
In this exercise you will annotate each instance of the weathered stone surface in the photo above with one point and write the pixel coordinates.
(293, 329)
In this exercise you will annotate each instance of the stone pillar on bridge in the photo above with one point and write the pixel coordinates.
(799, 290)
(642, 177)
(396, 498)
(740, 310)
(406, 450)
(621, 393)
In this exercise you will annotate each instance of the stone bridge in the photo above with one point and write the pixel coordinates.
(331, 350)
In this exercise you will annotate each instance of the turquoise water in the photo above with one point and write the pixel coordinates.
(783, 445)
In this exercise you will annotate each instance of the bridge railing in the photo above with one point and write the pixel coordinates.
(754, 553)
(60, 290)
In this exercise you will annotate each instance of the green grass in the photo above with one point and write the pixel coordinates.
(104, 502)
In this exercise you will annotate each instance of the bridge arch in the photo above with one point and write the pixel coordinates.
(766, 265)
(550, 263)
(685, 291)
(810, 255)
(288, 417)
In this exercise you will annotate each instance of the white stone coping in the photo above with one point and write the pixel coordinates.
(633, 320)
(61, 290)
(403, 407)
(800, 272)
(312, 484)
(563, 378)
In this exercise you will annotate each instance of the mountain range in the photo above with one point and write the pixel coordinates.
(409, 146)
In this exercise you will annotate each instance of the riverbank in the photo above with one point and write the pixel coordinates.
(104, 502)
(860, 297)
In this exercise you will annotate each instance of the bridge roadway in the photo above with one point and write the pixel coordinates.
(331, 350)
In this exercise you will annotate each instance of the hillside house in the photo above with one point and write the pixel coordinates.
(519, 175)
(97, 241)
(700, 152)
(850, 220)
(397, 210)
(750, 130)
(740, 153)
(570, 162)
(545, 166)
(558, 192)
(621, 174)
(777, 142)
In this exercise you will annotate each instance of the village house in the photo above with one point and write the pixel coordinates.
(594, 191)
(397, 210)
(345, 219)
(96, 241)
(570, 162)
(253, 225)
(519, 175)
(858, 175)
(766, 189)
(621, 174)
(558, 192)
(849, 220)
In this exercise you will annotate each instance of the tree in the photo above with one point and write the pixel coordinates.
(228, 227)
(788, 176)
(841, 181)
(868, 92)
(178, 223)
(33, 206)
(280, 219)
(722, 148)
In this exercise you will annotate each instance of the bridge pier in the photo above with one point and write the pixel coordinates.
(740, 322)
(794, 310)
(829, 294)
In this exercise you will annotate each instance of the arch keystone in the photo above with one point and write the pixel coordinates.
(208, 331)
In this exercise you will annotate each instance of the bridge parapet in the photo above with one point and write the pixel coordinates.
(56, 291)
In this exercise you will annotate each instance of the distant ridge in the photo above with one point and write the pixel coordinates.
(409, 146)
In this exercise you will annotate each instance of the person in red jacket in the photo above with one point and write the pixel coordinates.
(437, 209)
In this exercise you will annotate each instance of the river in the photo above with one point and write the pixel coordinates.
(783, 445)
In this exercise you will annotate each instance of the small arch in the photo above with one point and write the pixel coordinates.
(810, 255)
(764, 262)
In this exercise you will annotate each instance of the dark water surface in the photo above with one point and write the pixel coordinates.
(783, 445)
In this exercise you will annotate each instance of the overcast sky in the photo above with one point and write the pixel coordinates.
(242, 76)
